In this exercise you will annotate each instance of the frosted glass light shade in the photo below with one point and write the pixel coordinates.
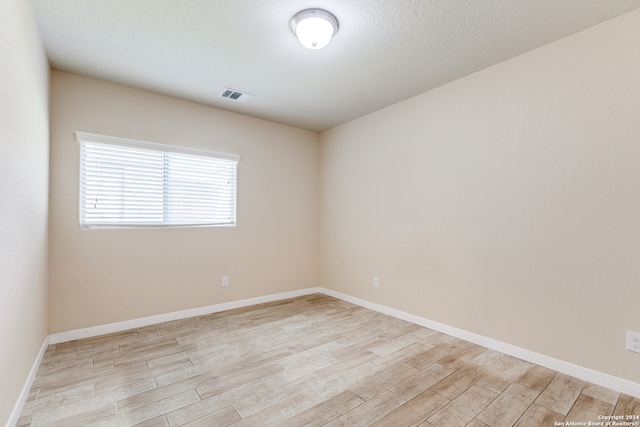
(314, 28)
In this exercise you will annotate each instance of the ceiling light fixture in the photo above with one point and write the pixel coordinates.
(314, 27)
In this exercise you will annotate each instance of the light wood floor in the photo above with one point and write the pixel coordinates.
(308, 361)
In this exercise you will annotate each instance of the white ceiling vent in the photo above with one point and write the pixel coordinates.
(235, 95)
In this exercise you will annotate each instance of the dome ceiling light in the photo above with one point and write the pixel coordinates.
(314, 28)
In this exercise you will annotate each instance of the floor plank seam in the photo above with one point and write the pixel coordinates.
(311, 359)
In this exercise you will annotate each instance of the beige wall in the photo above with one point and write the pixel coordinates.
(103, 276)
(24, 166)
(506, 203)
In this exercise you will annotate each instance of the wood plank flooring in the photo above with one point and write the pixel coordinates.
(308, 361)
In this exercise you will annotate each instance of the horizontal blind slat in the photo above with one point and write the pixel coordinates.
(134, 186)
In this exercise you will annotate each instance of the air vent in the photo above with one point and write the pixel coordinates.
(235, 95)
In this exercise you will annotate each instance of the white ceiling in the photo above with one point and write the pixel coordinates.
(385, 50)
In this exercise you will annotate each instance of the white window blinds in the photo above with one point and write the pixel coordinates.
(129, 183)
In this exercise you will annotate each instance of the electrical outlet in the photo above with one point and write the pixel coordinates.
(225, 281)
(376, 282)
(633, 341)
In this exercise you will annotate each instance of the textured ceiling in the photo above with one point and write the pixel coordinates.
(384, 52)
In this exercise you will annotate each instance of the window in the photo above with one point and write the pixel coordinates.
(128, 183)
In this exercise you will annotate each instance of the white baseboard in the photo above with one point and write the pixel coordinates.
(580, 372)
(95, 331)
(24, 394)
(586, 374)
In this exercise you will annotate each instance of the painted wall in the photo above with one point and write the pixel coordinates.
(506, 203)
(103, 276)
(24, 176)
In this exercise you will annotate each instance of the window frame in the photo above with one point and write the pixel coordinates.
(167, 150)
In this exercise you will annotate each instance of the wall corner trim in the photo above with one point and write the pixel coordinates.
(110, 328)
(580, 372)
(586, 374)
(24, 394)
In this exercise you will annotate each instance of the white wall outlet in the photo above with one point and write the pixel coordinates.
(633, 341)
(376, 282)
(225, 281)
